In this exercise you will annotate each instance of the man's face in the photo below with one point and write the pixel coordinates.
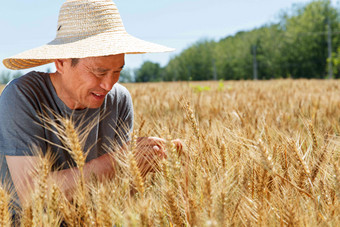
(86, 84)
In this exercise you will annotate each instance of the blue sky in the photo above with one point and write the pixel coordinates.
(174, 23)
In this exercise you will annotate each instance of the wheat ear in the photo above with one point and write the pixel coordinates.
(337, 178)
(266, 159)
(135, 173)
(26, 216)
(174, 209)
(103, 215)
(223, 156)
(312, 132)
(40, 193)
(73, 142)
(321, 160)
(191, 117)
(300, 159)
(207, 194)
(5, 218)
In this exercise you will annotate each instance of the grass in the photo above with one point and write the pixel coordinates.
(255, 153)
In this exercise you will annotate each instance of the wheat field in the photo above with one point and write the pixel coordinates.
(255, 153)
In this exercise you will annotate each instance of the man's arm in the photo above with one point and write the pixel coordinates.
(22, 167)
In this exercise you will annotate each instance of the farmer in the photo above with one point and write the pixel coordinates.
(88, 53)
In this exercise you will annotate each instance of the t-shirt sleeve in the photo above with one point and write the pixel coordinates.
(20, 127)
(125, 117)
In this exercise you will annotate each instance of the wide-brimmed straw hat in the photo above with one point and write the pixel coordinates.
(86, 28)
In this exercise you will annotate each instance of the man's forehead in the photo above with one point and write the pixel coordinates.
(106, 57)
(101, 69)
(105, 63)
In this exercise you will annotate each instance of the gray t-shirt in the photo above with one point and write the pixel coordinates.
(21, 128)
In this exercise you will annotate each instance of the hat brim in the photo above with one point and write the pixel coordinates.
(104, 44)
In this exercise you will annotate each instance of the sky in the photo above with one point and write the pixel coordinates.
(174, 23)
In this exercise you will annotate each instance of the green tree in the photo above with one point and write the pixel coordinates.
(126, 76)
(336, 63)
(149, 72)
(6, 76)
(295, 47)
(195, 63)
(305, 47)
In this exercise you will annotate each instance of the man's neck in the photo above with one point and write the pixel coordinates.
(55, 79)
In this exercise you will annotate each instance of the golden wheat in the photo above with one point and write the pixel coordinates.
(257, 153)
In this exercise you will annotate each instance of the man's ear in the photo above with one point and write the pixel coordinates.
(61, 64)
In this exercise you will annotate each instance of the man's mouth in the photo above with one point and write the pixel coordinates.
(98, 95)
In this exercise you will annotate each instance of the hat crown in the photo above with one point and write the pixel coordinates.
(80, 19)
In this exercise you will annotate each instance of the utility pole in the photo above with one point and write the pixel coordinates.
(329, 43)
(214, 70)
(254, 62)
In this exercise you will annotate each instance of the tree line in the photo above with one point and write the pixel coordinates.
(295, 47)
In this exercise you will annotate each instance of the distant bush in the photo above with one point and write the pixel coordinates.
(6, 76)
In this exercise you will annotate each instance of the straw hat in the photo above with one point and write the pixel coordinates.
(86, 28)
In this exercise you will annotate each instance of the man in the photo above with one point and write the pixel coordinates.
(88, 53)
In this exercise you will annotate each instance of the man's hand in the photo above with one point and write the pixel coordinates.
(150, 150)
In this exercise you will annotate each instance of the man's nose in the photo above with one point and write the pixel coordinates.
(107, 82)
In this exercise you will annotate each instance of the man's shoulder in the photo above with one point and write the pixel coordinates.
(28, 89)
(119, 96)
(119, 88)
(29, 81)
(118, 91)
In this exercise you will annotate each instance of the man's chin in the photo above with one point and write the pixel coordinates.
(95, 103)
(94, 106)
